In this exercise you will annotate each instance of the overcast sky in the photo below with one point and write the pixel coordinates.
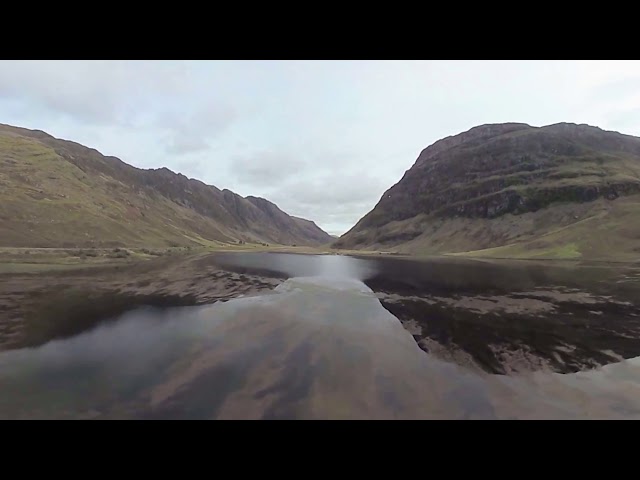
(322, 139)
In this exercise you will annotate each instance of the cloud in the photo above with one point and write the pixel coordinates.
(98, 92)
(193, 132)
(332, 198)
(185, 143)
(625, 118)
(618, 89)
(322, 139)
(336, 189)
(269, 168)
(331, 187)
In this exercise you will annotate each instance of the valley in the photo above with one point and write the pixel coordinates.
(506, 256)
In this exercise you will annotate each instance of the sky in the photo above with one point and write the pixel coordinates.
(321, 139)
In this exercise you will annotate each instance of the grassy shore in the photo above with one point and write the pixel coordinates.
(34, 260)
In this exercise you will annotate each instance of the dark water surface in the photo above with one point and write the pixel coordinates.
(360, 338)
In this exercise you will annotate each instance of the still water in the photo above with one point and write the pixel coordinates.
(320, 346)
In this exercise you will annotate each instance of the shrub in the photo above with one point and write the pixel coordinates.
(119, 253)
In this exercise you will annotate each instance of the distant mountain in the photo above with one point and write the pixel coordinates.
(513, 190)
(57, 193)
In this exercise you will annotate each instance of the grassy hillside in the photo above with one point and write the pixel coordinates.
(563, 191)
(55, 193)
(599, 230)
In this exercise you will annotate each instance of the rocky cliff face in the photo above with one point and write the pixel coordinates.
(495, 170)
(157, 203)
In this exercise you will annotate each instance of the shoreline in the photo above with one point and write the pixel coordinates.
(45, 305)
(19, 260)
(490, 316)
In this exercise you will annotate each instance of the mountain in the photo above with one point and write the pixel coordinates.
(513, 190)
(57, 193)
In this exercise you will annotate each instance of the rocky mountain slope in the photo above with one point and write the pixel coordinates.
(57, 193)
(513, 190)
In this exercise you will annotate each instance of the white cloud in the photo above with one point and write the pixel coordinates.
(268, 168)
(322, 139)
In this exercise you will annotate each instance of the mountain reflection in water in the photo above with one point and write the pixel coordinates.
(321, 346)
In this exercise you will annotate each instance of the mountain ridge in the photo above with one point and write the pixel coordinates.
(138, 206)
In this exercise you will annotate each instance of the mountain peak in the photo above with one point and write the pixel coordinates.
(475, 134)
(498, 184)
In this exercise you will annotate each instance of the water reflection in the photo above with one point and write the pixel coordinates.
(290, 265)
(320, 346)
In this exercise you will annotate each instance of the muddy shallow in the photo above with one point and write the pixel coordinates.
(329, 342)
